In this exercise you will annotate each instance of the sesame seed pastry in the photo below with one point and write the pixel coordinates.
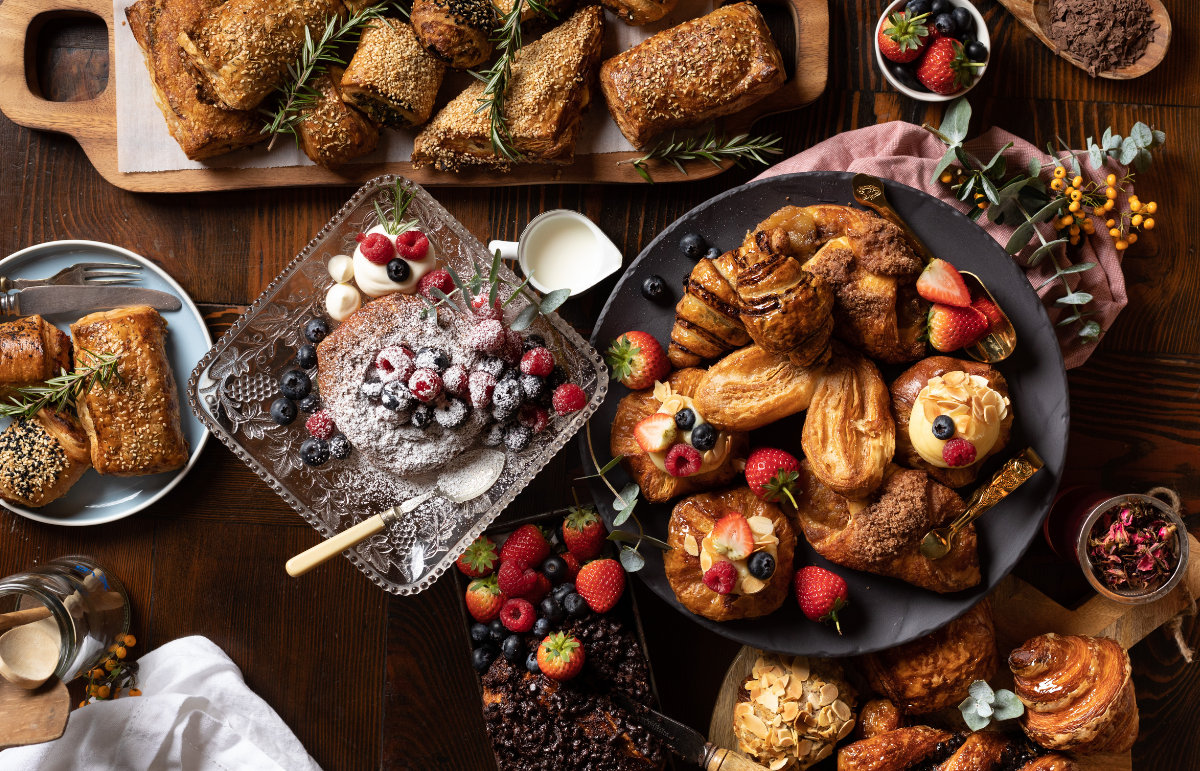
(41, 457)
(635, 13)
(133, 422)
(560, 8)
(32, 350)
(332, 132)
(457, 32)
(391, 77)
(691, 73)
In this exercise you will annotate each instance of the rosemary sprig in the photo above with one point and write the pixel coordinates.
(396, 224)
(63, 390)
(297, 92)
(496, 78)
(740, 148)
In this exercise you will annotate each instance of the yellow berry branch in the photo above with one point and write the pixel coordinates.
(106, 680)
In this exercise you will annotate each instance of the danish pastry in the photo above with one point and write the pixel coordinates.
(707, 323)
(883, 533)
(751, 388)
(41, 457)
(925, 748)
(973, 399)
(878, 716)
(704, 530)
(32, 350)
(649, 470)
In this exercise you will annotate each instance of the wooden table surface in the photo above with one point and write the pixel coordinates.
(367, 680)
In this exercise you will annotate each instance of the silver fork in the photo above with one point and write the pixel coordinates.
(92, 273)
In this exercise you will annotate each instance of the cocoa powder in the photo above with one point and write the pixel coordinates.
(1104, 34)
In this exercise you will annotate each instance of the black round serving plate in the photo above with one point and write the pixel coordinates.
(883, 612)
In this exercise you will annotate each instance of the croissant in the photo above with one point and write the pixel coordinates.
(32, 350)
(1078, 693)
(751, 388)
(707, 325)
(892, 750)
(928, 749)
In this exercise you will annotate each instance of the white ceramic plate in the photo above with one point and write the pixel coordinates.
(97, 499)
(929, 96)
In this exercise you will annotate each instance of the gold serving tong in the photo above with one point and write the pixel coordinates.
(994, 347)
(937, 543)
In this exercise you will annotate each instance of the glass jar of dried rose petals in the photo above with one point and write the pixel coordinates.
(1133, 548)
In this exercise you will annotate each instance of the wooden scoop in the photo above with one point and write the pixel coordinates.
(1035, 14)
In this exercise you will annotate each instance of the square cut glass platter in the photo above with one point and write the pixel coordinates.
(232, 388)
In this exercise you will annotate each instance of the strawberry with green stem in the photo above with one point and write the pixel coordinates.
(772, 473)
(637, 360)
(821, 594)
(480, 558)
(902, 39)
(945, 68)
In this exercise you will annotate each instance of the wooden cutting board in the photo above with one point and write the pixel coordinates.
(32, 717)
(1021, 612)
(94, 123)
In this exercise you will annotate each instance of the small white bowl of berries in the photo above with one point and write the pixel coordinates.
(932, 50)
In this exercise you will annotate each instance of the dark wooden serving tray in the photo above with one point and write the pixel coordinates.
(93, 123)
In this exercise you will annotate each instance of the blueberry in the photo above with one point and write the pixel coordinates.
(316, 330)
(905, 75)
(314, 451)
(916, 7)
(509, 374)
(310, 404)
(556, 378)
(685, 419)
(493, 366)
(532, 386)
(531, 341)
(306, 356)
(340, 447)
(480, 633)
(432, 358)
(542, 627)
(713, 253)
(941, 6)
(396, 396)
(761, 565)
(555, 568)
(452, 413)
(512, 648)
(294, 384)
(943, 427)
(654, 287)
(575, 606)
(398, 270)
(976, 51)
(517, 437)
(482, 658)
(964, 20)
(704, 437)
(562, 590)
(693, 245)
(495, 435)
(499, 630)
(422, 416)
(945, 24)
(531, 663)
(552, 609)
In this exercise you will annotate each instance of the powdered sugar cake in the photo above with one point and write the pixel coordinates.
(388, 439)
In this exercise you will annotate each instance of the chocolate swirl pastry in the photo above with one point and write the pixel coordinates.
(707, 325)
(1078, 693)
(536, 723)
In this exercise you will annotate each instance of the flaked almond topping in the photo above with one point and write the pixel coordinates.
(804, 747)
(841, 710)
(829, 692)
(790, 711)
(847, 727)
(755, 726)
(690, 546)
(760, 526)
(743, 708)
(769, 700)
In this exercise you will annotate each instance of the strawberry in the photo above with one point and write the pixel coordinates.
(941, 282)
(990, 311)
(902, 39)
(540, 589)
(731, 536)
(601, 583)
(952, 328)
(515, 578)
(479, 559)
(527, 544)
(573, 565)
(821, 594)
(517, 615)
(655, 433)
(945, 69)
(583, 532)
(484, 600)
(771, 473)
(560, 656)
(637, 360)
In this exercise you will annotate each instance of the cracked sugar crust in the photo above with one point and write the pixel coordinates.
(346, 359)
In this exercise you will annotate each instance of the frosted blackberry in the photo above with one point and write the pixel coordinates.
(452, 413)
(533, 387)
(339, 447)
(432, 358)
(495, 435)
(492, 366)
(396, 396)
(422, 416)
(532, 341)
(517, 437)
(372, 389)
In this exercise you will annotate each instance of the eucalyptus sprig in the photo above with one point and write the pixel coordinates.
(537, 306)
(625, 502)
(297, 92)
(496, 78)
(712, 148)
(62, 391)
(985, 705)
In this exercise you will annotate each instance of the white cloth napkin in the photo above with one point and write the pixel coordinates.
(196, 714)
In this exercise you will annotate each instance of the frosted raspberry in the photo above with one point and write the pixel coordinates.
(538, 361)
(480, 386)
(425, 384)
(394, 363)
(320, 424)
(435, 278)
(569, 398)
(958, 452)
(488, 336)
(480, 303)
(376, 247)
(682, 460)
(513, 349)
(533, 417)
(412, 245)
(721, 577)
(456, 380)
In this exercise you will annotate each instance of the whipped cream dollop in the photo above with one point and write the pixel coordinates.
(373, 279)
(764, 540)
(670, 403)
(976, 409)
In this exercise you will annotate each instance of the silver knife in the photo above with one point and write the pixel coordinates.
(46, 300)
(686, 742)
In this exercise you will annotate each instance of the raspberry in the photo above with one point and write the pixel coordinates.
(538, 362)
(480, 385)
(412, 245)
(533, 417)
(958, 452)
(425, 384)
(682, 460)
(482, 311)
(720, 577)
(320, 424)
(517, 615)
(376, 247)
(435, 278)
(513, 349)
(515, 578)
(456, 380)
(488, 336)
(569, 398)
(394, 363)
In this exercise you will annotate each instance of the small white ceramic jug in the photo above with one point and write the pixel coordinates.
(562, 249)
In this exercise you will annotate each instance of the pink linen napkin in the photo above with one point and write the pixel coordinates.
(908, 154)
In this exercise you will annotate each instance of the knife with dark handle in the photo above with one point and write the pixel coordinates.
(47, 300)
(686, 742)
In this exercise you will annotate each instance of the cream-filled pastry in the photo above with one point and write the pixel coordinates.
(956, 405)
(713, 451)
(374, 278)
